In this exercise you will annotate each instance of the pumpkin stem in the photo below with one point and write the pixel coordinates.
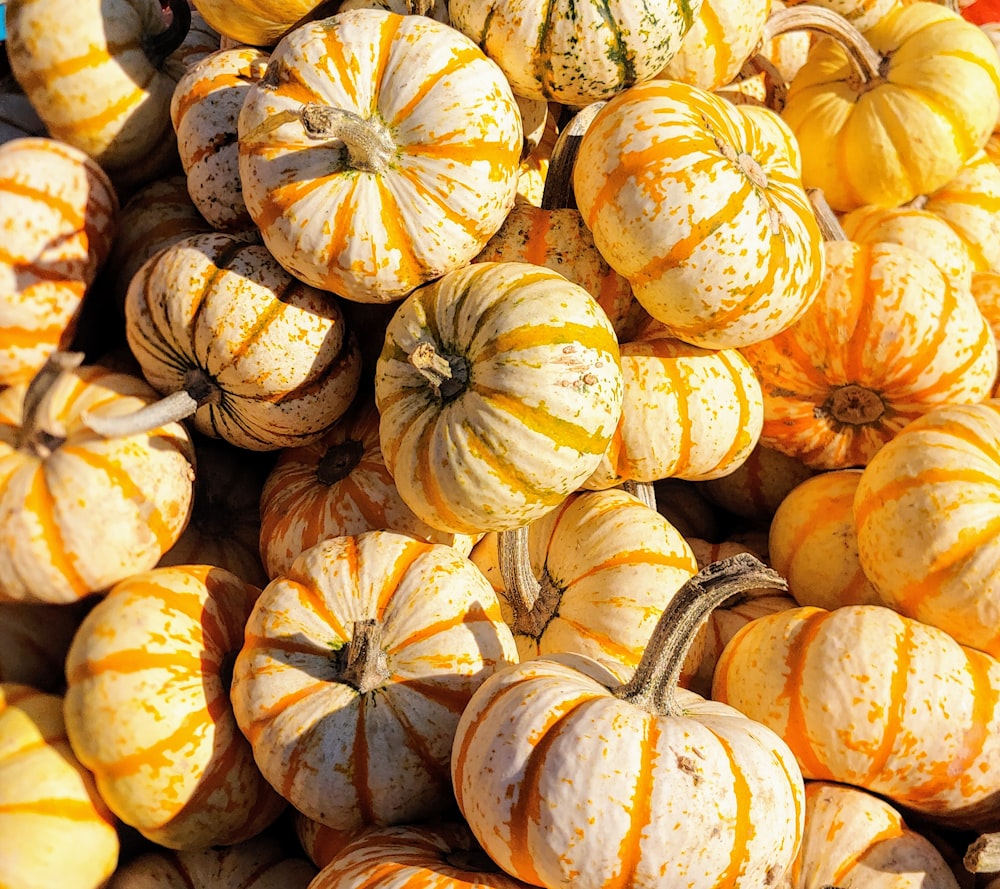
(363, 666)
(865, 60)
(369, 146)
(654, 683)
(983, 855)
(558, 191)
(447, 376)
(533, 601)
(853, 405)
(829, 225)
(776, 89)
(643, 491)
(30, 436)
(159, 46)
(199, 389)
(339, 461)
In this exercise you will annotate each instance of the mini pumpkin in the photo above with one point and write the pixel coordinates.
(355, 667)
(55, 829)
(56, 476)
(699, 204)
(148, 713)
(499, 387)
(377, 152)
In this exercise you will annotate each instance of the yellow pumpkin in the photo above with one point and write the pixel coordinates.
(148, 712)
(55, 829)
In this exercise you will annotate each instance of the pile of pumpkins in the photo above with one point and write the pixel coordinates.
(499, 444)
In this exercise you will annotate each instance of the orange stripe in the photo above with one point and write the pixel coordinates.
(742, 827)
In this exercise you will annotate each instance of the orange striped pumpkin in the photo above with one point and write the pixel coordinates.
(920, 230)
(699, 205)
(927, 513)
(336, 486)
(970, 203)
(559, 240)
(606, 566)
(148, 713)
(499, 387)
(378, 152)
(573, 53)
(442, 855)
(866, 696)
(58, 216)
(869, 356)
(260, 863)
(266, 361)
(813, 542)
(722, 37)
(81, 512)
(204, 109)
(54, 828)
(855, 130)
(100, 75)
(355, 668)
(856, 840)
(253, 22)
(642, 784)
(688, 412)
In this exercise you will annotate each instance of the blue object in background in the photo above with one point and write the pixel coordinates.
(3, 20)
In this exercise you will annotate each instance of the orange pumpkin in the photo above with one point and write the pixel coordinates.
(869, 356)
(699, 205)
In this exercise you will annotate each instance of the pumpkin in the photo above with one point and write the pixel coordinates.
(726, 620)
(970, 203)
(814, 544)
(866, 696)
(575, 53)
(204, 108)
(919, 229)
(253, 22)
(378, 152)
(355, 667)
(436, 9)
(34, 639)
(100, 75)
(224, 528)
(868, 356)
(81, 512)
(591, 577)
(54, 828)
(688, 412)
(255, 357)
(723, 35)
(699, 205)
(755, 488)
(336, 486)
(569, 778)
(854, 840)
(155, 216)
(927, 515)
(260, 863)
(924, 102)
(558, 239)
(442, 855)
(58, 219)
(499, 387)
(148, 712)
